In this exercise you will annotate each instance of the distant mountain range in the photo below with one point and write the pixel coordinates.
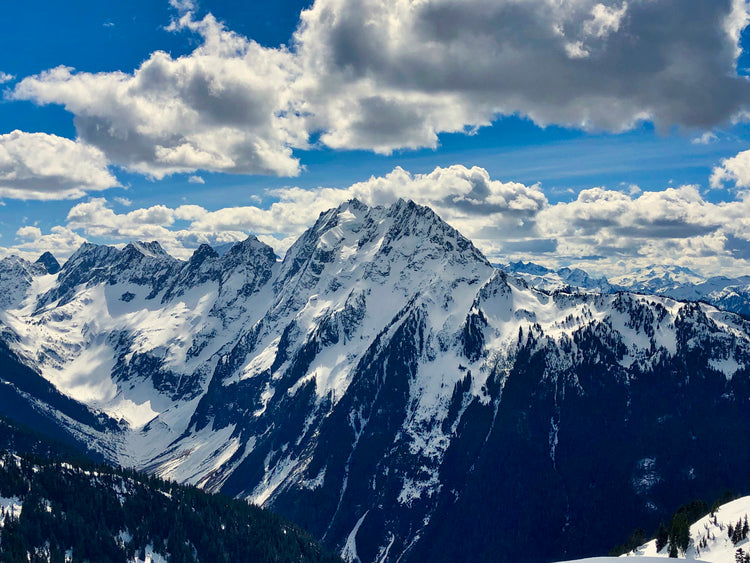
(730, 294)
(385, 387)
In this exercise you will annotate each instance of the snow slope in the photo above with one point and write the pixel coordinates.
(709, 536)
(635, 559)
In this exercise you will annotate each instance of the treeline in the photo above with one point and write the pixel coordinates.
(21, 439)
(99, 513)
(677, 535)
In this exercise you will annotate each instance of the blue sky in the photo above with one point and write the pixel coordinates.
(594, 131)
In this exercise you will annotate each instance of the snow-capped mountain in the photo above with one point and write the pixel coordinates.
(565, 279)
(17, 274)
(730, 294)
(388, 389)
(658, 279)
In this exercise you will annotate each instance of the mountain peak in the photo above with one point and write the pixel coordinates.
(405, 208)
(403, 204)
(49, 262)
(251, 243)
(374, 241)
(247, 263)
(151, 249)
(565, 278)
(522, 267)
(202, 253)
(250, 252)
(352, 204)
(16, 275)
(140, 260)
(658, 278)
(91, 255)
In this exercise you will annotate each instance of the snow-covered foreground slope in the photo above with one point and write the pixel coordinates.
(637, 559)
(388, 389)
(718, 537)
(711, 536)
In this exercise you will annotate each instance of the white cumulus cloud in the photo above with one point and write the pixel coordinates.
(735, 169)
(383, 75)
(60, 241)
(45, 167)
(29, 232)
(226, 107)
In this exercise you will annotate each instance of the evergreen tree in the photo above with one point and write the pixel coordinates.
(679, 534)
(662, 536)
